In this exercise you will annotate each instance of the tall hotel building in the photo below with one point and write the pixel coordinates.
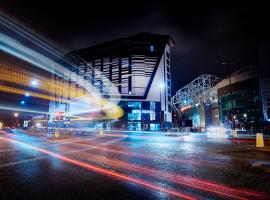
(139, 67)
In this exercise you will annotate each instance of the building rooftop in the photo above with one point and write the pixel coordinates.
(123, 46)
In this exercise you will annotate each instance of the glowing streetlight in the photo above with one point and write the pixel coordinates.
(27, 94)
(245, 115)
(34, 82)
(22, 102)
(16, 114)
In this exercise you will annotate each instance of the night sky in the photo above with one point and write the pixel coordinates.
(205, 33)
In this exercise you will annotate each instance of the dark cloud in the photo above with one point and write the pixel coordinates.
(205, 34)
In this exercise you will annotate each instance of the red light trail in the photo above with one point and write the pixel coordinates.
(196, 183)
(104, 171)
(204, 185)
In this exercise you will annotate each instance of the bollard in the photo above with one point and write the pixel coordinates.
(234, 132)
(259, 140)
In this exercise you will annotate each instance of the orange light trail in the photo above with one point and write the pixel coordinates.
(104, 171)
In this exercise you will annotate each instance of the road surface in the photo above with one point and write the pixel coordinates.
(131, 165)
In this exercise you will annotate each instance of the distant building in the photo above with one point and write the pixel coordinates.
(239, 101)
(139, 67)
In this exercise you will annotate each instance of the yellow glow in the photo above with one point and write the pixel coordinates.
(55, 89)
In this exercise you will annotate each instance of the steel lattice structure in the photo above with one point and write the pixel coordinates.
(197, 92)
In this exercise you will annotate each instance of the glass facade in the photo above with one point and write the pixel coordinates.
(239, 105)
(142, 115)
(135, 105)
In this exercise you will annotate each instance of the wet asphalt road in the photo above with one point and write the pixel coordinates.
(131, 165)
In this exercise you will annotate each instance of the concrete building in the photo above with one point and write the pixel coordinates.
(136, 71)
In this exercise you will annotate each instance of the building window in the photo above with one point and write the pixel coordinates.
(168, 68)
(167, 54)
(152, 48)
(152, 106)
(169, 108)
(135, 105)
(154, 127)
(134, 116)
(134, 126)
(168, 76)
(153, 116)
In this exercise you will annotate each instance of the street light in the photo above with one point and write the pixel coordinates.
(27, 94)
(16, 115)
(34, 82)
(22, 102)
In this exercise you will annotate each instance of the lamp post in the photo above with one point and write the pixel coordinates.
(161, 87)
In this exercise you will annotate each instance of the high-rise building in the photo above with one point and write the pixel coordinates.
(139, 67)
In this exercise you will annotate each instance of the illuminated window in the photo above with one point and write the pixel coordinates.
(152, 106)
(152, 48)
(134, 116)
(152, 116)
(134, 104)
(154, 127)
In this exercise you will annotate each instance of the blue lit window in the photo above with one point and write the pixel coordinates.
(154, 127)
(136, 111)
(134, 116)
(152, 106)
(152, 48)
(135, 105)
(153, 116)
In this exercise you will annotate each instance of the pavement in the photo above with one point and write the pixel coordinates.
(132, 165)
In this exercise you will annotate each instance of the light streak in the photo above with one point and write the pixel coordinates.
(4, 107)
(211, 187)
(104, 171)
(46, 61)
